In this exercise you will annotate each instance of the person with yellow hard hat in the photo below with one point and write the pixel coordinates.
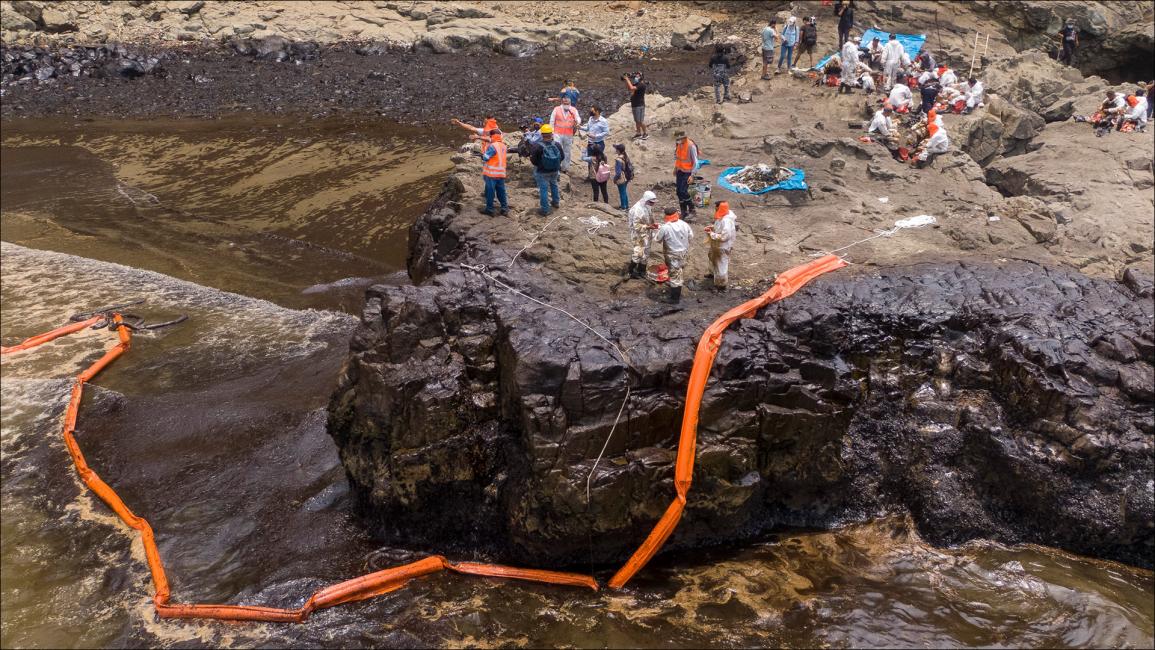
(547, 157)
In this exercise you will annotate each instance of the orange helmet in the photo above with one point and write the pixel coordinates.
(1132, 100)
(722, 210)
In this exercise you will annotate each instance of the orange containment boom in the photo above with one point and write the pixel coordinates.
(785, 285)
(380, 582)
(360, 588)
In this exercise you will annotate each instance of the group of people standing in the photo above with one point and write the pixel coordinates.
(548, 145)
(792, 36)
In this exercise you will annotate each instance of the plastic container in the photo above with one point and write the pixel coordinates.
(659, 273)
(700, 193)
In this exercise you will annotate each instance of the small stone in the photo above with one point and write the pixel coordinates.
(192, 7)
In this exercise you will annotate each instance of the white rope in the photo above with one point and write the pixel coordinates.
(902, 224)
(621, 355)
(535, 238)
(594, 224)
(152, 198)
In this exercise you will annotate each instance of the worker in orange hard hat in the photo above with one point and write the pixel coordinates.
(493, 170)
(675, 236)
(721, 234)
(478, 132)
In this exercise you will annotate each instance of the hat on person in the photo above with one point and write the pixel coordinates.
(722, 210)
(537, 120)
(546, 129)
(791, 20)
(679, 134)
(620, 148)
(672, 214)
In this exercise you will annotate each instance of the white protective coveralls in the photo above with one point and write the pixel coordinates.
(974, 94)
(900, 96)
(891, 60)
(721, 243)
(1138, 112)
(937, 143)
(641, 217)
(675, 237)
(849, 55)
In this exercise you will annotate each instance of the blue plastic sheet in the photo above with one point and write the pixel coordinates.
(912, 43)
(795, 182)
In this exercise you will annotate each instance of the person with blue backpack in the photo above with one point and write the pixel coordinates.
(547, 157)
(623, 174)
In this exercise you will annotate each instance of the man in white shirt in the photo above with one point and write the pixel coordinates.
(891, 60)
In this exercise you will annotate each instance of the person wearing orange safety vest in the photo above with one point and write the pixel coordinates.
(564, 120)
(685, 163)
(478, 132)
(675, 236)
(493, 170)
(721, 235)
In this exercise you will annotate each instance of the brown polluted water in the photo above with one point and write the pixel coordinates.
(265, 233)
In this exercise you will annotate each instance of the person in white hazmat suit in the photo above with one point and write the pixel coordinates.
(721, 235)
(641, 220)
(675, 236)
(891, 60)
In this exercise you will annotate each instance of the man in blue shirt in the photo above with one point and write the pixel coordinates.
(568, 90)
(596, 128)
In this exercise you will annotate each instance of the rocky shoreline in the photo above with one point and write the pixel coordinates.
(992, 376)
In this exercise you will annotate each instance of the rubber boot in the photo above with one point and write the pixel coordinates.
(675, 295)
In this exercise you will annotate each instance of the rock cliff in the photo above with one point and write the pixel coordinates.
(1008, 401)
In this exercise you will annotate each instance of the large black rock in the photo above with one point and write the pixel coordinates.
(1001, 400)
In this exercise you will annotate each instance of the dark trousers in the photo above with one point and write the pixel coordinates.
(843, 36)
(682, 186)
(599, 187)
(1068, 54)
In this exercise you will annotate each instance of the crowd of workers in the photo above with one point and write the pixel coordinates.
(548, 144)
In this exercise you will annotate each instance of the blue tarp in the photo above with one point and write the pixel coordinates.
(912, 43)
(795, 182)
